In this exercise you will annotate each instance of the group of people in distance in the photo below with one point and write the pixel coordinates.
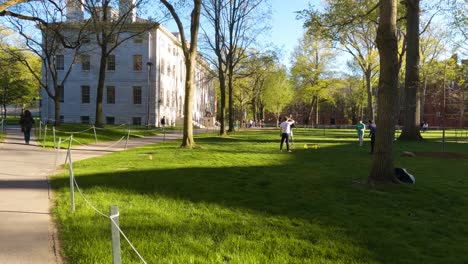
(361, 128)
(288, 123)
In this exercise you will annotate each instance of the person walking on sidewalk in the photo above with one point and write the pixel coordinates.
(286, 132)
(163, 121)
(26, 122)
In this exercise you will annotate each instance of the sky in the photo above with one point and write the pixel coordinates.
(286, 30)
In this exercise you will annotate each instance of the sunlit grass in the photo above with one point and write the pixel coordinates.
(240, 200)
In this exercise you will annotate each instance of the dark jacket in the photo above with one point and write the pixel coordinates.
(26, 122)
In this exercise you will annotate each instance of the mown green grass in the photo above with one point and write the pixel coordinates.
(84, 134)
(240, 200)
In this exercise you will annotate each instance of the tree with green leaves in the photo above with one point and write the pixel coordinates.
(250, 82)
(309, 72)
(277, 92)
(431, 47)
(352, 27)
(17, 85)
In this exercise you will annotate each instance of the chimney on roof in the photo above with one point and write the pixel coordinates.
(128, 8)
(75, 10)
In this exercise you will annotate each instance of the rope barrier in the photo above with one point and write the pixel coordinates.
(115, 143)
(77, 132)
(79, 143)
(111, 218)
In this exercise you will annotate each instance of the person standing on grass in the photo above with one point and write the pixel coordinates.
(372, 128)
(291, 136)
(286, 132)
(360, 127)
(425, 126)
(26, 122)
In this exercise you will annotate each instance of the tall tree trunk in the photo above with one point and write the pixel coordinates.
(316, 111)
(423, 99)
(382, 169)
(187, 140)
(254, 109)
(231, 98)
(311, 112)
(57, 121)
(411, 121)
(4, 102)
(99, 119)
(462, 107)
(370, 107)
(222, 87)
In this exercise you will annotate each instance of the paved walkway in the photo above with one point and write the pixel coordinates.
(27, 234)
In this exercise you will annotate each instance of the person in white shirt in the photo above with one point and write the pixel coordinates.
(286, 132)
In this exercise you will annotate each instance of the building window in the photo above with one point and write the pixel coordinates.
(62, 119)
(86, 40)
(110, 120)
(136, 94)
(62, 93)
(85, 94)
(84, 119)
(110, 94)
(60, 62)
(111, 63)
(85, 62)
(138, 39)
(136, 121)
(162, 66)
(137, 62)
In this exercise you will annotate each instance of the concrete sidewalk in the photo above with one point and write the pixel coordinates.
(27, 233)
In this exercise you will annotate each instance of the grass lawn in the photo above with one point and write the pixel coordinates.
(84, 134)
(240, 200)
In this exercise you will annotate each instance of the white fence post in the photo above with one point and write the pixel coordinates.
(114, 218)
(57, 152)
(95, 136)
(70, 169)
(45, 136)
(53, 133)
(126, 142)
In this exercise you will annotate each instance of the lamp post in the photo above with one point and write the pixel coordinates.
(149, 64)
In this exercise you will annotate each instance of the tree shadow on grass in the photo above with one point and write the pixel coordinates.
(311, 187)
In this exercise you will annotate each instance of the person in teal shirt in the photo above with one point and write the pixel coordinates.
(360, 127)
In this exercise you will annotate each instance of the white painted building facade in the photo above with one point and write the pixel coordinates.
(145, 80)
